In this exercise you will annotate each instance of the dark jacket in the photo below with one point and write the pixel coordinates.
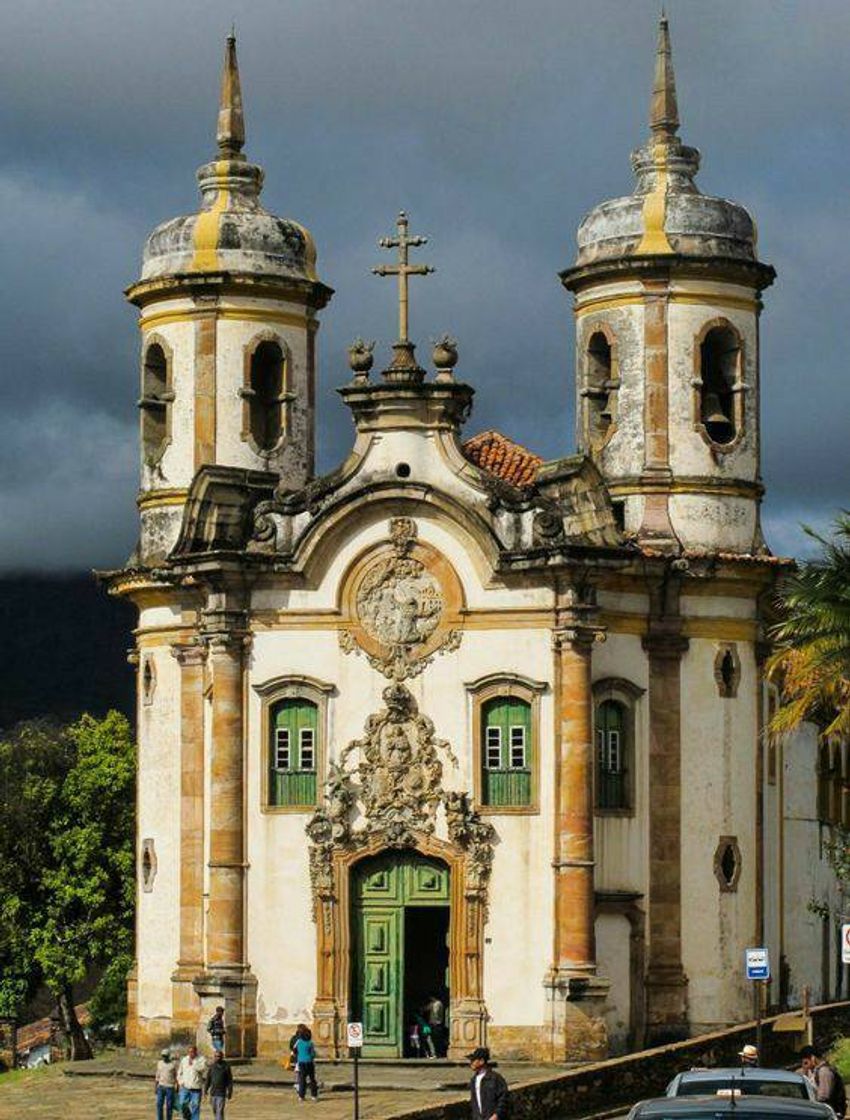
(494, 1096)
(219, 1082)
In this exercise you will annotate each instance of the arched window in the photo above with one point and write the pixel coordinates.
(155, 402)
(719, 384)
(506, 748)
(612, 756)
(506, 737)
(293, 752)
(265, 396)
(600, 387)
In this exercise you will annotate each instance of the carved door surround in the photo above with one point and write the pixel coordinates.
(466, 937)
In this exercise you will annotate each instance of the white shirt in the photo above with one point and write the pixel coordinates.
(479, 1077)
(191, 1074)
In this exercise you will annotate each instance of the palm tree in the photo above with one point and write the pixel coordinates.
(811, 662)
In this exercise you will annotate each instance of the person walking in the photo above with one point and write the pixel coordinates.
(218, 1084)
(305, 1055)
(488, 1090)
(216, 1030)
(293, 1057)
(190, 1079)
(166, 1086)
(829, 1087)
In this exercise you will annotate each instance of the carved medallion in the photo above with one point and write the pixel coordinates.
(399, 606)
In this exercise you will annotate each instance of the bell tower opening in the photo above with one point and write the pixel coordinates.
(719, 359)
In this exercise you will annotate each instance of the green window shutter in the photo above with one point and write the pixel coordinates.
(612, 756)
(293, 748)
(506, 752)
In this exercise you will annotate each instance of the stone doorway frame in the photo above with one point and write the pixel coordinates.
(467, 1011)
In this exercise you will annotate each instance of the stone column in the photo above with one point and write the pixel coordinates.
(227, 979)
(186, 1009)
(574, 989)
(656, 527)
(666, 983)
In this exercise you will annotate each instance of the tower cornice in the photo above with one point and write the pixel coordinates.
(666, 265)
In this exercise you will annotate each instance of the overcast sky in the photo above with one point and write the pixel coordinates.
(496, 124)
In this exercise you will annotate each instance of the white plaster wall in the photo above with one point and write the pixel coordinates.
(718, 782)
(233, 337)
(689, 452)
(796, 856)
(159, 819)
(613, 946)
(281, 935)
(176, 467)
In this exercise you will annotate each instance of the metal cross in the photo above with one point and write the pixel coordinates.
(403, 269)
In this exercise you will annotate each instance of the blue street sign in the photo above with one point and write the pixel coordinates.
(758, 964)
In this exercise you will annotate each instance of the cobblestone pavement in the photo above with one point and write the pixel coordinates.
(387, 1089)
(50, 1095)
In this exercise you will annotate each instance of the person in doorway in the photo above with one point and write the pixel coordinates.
(166, 1086)
(829, 1088)
(426, 1040)
(190, 1080)
(749, 1055)
(216, 1030)
(415, 1041)
(488, 1089)
(218, 1084)
(435, 1016)
(305, 1055)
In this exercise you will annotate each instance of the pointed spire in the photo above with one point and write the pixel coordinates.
(664, 113)
(231, 123)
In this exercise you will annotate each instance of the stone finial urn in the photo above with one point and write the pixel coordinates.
(360, 358)
(444, 357)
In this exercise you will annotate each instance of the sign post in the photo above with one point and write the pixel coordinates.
(757, 963)
(355, 1044)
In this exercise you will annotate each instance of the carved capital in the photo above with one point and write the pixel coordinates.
(578, 638)
(189, 653)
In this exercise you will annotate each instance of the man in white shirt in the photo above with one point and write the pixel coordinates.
(190, 1078)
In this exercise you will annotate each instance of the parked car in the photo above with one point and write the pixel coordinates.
(747, 1080)
(731, 1107)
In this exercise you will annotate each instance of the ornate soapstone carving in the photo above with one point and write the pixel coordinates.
(399, 605)
(389, 785)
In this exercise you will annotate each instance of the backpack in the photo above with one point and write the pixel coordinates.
(838, 1099)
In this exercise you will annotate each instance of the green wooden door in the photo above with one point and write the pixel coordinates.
(381, 888)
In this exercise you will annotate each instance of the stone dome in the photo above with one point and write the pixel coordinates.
(666, 213)
(692, 223)
(231, 232)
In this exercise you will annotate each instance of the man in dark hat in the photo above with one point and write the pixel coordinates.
(488, 1089)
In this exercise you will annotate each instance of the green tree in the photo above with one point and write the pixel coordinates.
(811, 662)
(66, 860)
(86, 918)
(34, 759)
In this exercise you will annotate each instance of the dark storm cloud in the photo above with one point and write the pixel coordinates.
(495, 124)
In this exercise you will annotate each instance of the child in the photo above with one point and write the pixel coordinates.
(305, 1054)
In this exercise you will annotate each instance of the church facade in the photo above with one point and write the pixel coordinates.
(450, 721)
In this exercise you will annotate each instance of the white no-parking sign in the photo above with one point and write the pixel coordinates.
(355, 1035)
(845, 943)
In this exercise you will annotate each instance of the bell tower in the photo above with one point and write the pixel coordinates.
(228, 299)
(667, 288)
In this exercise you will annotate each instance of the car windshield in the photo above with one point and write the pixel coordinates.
(748, 1086)
(726, 1112)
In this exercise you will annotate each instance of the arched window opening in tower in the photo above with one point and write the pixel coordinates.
(267, 397)
(600, 387)
(155, 402)
(719, 360)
